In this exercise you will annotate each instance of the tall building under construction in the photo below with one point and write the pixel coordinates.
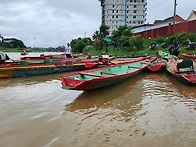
(117, 13)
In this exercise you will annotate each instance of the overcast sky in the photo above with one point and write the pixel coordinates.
(44, 23)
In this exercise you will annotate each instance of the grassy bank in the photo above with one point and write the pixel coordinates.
(110, 50)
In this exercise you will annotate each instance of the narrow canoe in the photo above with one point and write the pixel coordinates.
(17, 70)
(186, 74)
(157, 65)
(43, 57)
(192, 56)
(126, 60)
(102, 77)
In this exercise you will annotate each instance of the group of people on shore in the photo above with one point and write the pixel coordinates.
(173, 50)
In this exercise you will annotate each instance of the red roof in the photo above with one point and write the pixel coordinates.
(177, 19)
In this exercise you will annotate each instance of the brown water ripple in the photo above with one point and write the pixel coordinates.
(150, 110)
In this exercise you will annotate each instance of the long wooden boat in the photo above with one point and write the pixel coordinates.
(43, 57)
(123, 60)
(157, 65)
(23, 69)
(187, 74)
(192, 56)
(102, 77)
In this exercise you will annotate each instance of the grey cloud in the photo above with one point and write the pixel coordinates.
(55, 22)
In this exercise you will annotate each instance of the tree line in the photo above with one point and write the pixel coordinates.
(11, 43)
(119, 40)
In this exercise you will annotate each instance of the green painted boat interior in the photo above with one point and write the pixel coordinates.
(124, 59)
(166, 55)
(108, 71)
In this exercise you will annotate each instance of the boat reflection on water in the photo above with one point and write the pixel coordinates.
(10, 82)
(186, 89)
(122, 97)
(147, 110)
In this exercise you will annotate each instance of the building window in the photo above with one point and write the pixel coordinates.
(116, 11)
(116, 16)
(113, 6)
(134, 1)
(112, 16)
(134, 6)
(112, 11)
(134, 11)
(134, 16)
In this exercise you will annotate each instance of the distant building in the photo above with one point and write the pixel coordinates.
(158, 24)
(117, 13)
(161, 28)
(192, 16)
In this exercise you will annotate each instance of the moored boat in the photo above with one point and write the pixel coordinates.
(23, 53)
(157, 65)
(43, 57)
(182, 69)
(102, 77)
(192, 56)
(23, 68)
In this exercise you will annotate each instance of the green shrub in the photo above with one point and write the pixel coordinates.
(90, 49)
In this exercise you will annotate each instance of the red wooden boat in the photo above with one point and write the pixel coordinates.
(44, 57)
(187, 74)
(192, 56)
(102, 77)
(157, 65)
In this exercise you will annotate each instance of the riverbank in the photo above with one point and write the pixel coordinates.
(19, 50)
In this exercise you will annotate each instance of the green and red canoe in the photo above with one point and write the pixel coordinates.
(186, 74)
(24, 68)
(102, 77)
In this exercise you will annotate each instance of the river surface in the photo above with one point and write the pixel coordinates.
(149, 110)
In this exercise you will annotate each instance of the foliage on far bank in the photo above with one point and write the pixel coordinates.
(79, 44)
(11, 43)
(125, 43)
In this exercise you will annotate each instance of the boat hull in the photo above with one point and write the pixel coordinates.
(157, 66)
(100, 83)
(188, 75)
(14, 72)
(102, 77)
(189, 56)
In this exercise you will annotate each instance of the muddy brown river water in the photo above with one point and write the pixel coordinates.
(149, 110)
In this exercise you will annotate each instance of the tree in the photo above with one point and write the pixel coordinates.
(1, 38)
(79, 44)
(13, 43)
(96, 35)
(121, 36)
(104, 31)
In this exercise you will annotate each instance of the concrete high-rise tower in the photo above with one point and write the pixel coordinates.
(117, 13)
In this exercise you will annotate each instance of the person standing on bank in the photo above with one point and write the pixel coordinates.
(68, 51)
